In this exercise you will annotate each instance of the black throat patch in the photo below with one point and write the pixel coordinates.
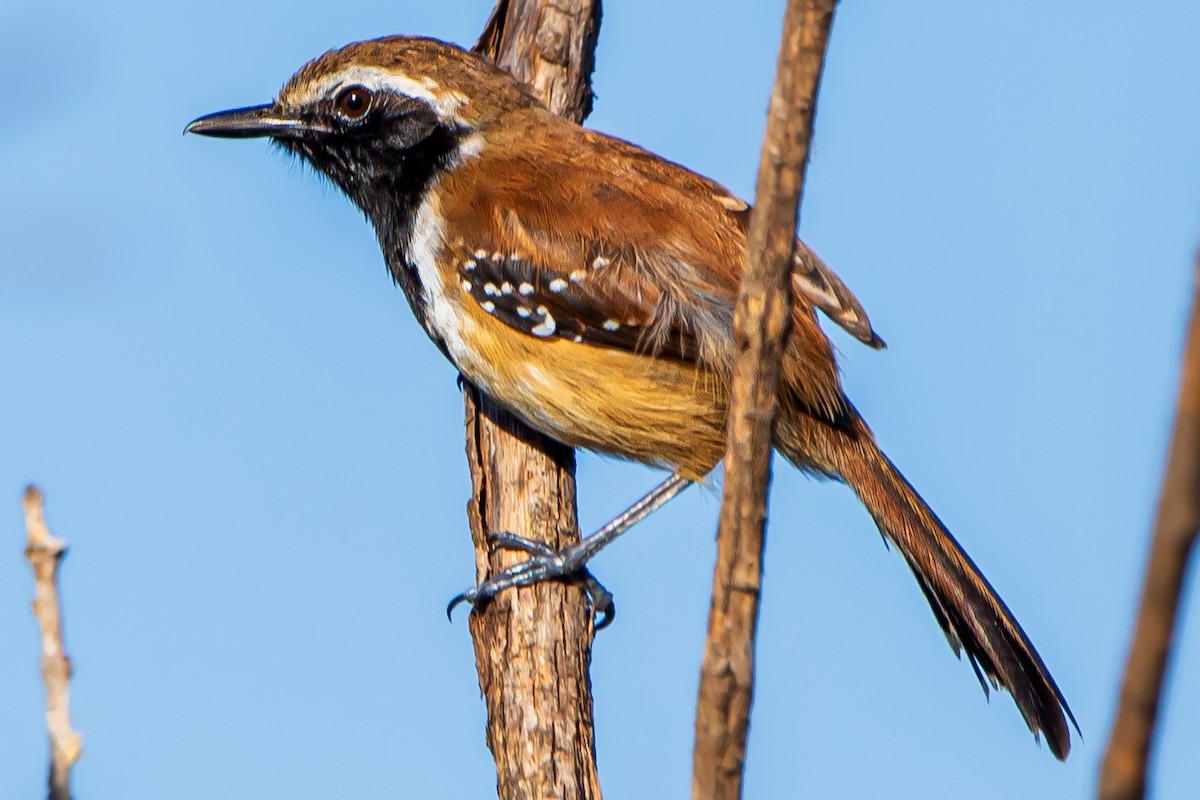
(388, 177)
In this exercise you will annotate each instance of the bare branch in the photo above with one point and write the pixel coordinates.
(44, 552)
(533, 644)
(549, 45)
(1123, 772)
(760, 324)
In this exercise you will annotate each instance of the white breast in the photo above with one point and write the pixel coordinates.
(447, 319)
(443, 317)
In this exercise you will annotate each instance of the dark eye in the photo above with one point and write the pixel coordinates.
(353, 103)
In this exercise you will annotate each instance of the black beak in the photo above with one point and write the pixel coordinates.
(249, 123)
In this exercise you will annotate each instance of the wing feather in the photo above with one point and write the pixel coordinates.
(620, 248)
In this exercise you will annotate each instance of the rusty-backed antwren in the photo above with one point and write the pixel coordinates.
(588, 286)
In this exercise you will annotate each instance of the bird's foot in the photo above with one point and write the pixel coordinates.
(544, 564)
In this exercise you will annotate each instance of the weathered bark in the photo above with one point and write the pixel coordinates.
(533, 645)
(549, 45)
(1123, 771)
(44, 552)
(760, 325)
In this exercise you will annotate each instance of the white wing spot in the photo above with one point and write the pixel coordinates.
(600, 263)
(577, 339)
(611, 325)
(488, 306)
(523, 312)
(557, 285)
(547, 326)
(468, 265)
(525, 288)
(497, 256)
(491, 290)
(506, 288)
(481, 253)
(466, 286)
(578, 275)
(515, 257)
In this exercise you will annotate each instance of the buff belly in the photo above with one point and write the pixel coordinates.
(657, 411)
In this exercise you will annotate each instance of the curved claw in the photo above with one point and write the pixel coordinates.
(605, 614)
(604, 610)
(454, 602)
(570, 563)
(543, 564)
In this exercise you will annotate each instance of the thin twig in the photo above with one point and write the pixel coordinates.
(533, 644)
(44, 552)
(760, 325)
(1123, 772)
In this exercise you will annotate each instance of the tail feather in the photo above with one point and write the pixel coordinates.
(967, 608)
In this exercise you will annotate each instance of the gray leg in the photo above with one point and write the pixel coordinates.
(570, 563)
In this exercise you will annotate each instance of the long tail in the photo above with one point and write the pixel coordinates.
(971, 613)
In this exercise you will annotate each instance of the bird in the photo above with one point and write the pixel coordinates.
(588, 286)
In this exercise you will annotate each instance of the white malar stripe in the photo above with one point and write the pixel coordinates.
(445, 102)
(442, 317)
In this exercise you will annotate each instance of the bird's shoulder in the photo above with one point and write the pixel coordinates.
(569, 196)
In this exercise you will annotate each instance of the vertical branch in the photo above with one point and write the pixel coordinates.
(44, 552)
(549, 45)
(533, 644)
(760, 325)
(1123, 771)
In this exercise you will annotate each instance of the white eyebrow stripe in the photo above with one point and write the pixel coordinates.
(445, 103)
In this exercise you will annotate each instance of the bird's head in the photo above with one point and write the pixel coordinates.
(379, 114)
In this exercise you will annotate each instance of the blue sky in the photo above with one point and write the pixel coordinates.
(257, 456)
